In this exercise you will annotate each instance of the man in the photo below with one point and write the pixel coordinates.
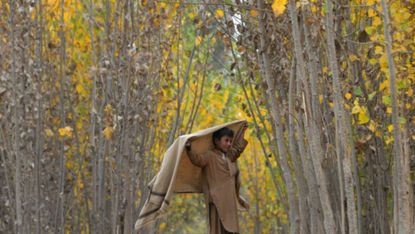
(220, 172)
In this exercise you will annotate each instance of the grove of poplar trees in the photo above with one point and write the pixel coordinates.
(92, 93)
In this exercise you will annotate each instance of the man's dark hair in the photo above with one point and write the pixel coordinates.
(222, 132)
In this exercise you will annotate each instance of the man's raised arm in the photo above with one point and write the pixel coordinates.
(199, 160)
(239, 146)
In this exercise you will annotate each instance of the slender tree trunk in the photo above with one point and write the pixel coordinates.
(251, 109)
(16, 123)
(314, 137)
(402, 216)
(60, 211)
(354, 74)
(93, 149)
(282, 150)
(344, 141)
(39, 122)
(312, 62)
(176, 124)
(257, 227)
(301, 184)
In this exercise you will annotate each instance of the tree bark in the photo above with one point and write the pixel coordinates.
(314, 135)
(282, 150)
(344, 141)
(402, 215)
(16, 123)
(301, 184)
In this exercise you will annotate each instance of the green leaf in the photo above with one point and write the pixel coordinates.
(358, 91)
(370, 30)
(324, 8)
(372, 95)
(386, 100)
(401, 84)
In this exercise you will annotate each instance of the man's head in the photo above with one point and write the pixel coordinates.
(222, 139)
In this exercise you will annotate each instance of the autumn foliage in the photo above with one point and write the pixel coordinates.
(93, 92)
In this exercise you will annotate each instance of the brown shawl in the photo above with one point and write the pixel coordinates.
(177, 174)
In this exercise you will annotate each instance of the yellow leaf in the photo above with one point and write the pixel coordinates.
(410, 92)
(108, 133)
(372, 126)
(383, 61)
(371, 13)
(209, 119)
(398, 36)
(279, 6)
(66, 131)
(163, 5)
(213, 41)
(331, 104)
(219, 13)
(69, 165)
(198, 40)
(192, 15)
(376, 21)
(363, 118)
(253, 13)
(348, 96)
(378, 50)
(390, 128)
(383, 85)
(156, 22)
(81, 90)
(108, 109)
(162, 226)
(79, 124)
(48, 132)
(388, 140)
(320, 98)
(356, 108)
(79, 183)
(370, 30)
(353, 57)
(325, 69)
(389, 110)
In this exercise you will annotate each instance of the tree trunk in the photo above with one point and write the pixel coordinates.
(282, 150)
(402, 215)
(344, 141)
(301, 184)
(16, 123)
(313, 134)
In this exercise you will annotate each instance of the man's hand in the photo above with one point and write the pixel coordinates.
(244, 127)
(243, 203)
(188, 146)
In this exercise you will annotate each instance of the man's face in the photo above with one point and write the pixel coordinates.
(224, 143)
